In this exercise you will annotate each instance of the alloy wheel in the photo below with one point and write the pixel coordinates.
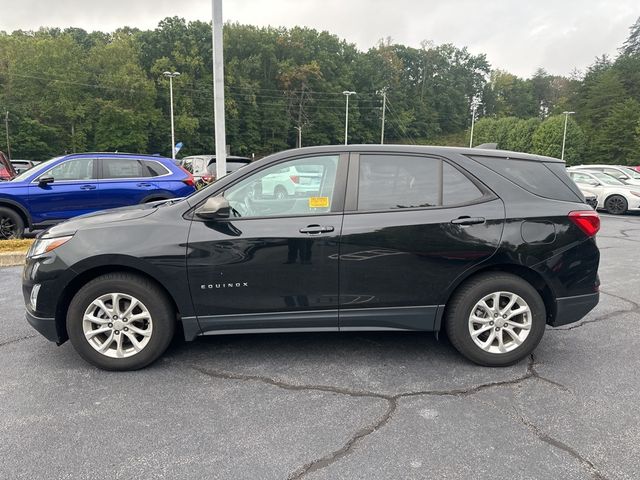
(500, 322)
(117, 325)
(7, 228)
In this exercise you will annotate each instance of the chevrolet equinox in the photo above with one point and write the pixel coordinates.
(489, 245)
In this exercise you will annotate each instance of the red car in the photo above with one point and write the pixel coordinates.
(6, 169)
(637, 169)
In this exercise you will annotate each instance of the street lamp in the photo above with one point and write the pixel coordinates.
(171, 76)
(474, 107)
(564, 135)
(347, 94)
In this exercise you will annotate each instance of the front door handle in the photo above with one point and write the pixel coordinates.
(316, 229)
(468, 220)
(145, 185)
(88, 187)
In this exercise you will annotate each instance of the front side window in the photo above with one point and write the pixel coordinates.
(299, 187)
(398, 181)
(122, 168)
(77, 169)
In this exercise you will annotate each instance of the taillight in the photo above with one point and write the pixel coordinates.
(189, 180)
(295, 178)
(587, 220)
(208, 178)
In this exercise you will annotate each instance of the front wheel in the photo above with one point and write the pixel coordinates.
(495, 319)
(11, 224)
(120, 321)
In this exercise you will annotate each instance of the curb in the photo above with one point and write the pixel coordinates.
(12, 259)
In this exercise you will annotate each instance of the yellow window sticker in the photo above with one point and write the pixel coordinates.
(318, 202)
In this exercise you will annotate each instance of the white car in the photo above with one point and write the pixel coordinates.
(625, 174)
(613, 196)
(292, 181)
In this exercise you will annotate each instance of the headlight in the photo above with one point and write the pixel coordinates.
(45, 245)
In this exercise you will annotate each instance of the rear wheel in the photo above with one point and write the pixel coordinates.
(280, 193)
(495, 319)
(616, 205)
(11, 224)
(120, 321)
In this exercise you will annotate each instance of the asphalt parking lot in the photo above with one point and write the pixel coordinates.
(355, 406)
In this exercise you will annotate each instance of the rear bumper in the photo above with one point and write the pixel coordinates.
(45, 326)
(572, 309)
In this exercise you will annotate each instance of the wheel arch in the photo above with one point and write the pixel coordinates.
(18, 208)
(86, 276)
(536, 280)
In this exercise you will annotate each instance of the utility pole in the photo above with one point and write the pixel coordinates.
(299, 129)
(384, 109)
(171, 76)
(6, 126)
(564, 135)
(218, 89)
(347, 94)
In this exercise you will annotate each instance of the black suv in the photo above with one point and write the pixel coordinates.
(489, 245)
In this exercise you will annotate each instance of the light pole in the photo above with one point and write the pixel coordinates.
(384, 109)
(564, 135)
(347, 94)
(474, 107)
(299, 129)
(171, 76)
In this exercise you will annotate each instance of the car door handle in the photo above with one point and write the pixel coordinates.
(145, 185)
(316, 229)
(468, 220)
(88, 187)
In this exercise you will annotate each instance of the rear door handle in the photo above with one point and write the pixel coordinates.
(468, 220)
(145, 185)
(88, 187)
(316, 229)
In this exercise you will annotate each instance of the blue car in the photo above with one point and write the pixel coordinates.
(73, 185)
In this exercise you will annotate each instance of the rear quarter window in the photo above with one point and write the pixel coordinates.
(540, 178)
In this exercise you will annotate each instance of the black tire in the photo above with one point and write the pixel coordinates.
(146, 291)
(11, 224)
(280, 193)
(463, 302)
(616, 205)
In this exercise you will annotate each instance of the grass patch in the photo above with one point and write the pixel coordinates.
(17, 246)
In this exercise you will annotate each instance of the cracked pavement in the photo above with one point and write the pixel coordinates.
(357, 406)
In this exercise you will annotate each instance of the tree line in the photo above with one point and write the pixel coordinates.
(70, 90)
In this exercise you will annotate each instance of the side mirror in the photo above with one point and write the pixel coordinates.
(214, 207)
(42, 181)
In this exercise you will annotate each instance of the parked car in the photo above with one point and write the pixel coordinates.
(203, 167)
(22, 165)
(626, 175)
(613, 196)
(73, 185)
(489, 245)
(590, 199)
(6, 169)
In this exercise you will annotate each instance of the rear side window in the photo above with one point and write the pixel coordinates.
(122, 168)
(155, 169)
(534, 176)
(398, 181)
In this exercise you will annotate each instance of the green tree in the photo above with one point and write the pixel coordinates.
(547, 139)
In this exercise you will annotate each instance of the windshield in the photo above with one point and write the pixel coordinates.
(606, 179)
(37, 169)
(631, 173)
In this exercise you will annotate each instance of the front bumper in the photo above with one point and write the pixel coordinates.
(572, 309)
(45, 326)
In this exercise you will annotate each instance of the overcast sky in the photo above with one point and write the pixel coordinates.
(517, 35)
